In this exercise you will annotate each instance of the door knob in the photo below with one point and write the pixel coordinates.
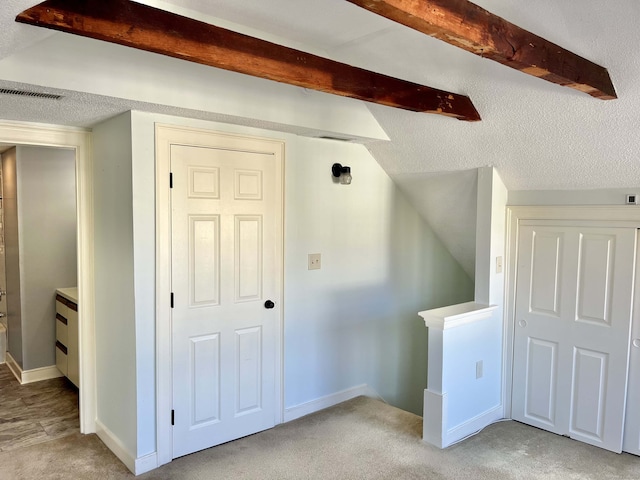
(269, 304)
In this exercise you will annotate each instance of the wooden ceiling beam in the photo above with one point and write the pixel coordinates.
(474, 29)
(154, 30)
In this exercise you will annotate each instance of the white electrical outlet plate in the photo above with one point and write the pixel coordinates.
(479, 368)
(498, 264)
(314, 261)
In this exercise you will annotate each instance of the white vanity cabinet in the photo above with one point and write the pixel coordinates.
(67, 356)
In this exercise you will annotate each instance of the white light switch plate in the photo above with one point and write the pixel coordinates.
(314, 261)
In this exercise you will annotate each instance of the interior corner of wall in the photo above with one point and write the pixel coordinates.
(490, 231)
(499, 186)
(382, 134)
(483, 234)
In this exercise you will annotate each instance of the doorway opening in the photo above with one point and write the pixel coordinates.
(38, 271)
(78, 141)
(604, 216)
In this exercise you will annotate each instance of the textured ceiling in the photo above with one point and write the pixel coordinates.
(14, 37)
(323, 25)
(538, 135)
(79, 109)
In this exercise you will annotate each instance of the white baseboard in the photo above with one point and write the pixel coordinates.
(474, 425)
(38, 374)
(3, 342)
(114, 444)
(435, 429)
(297, 411)
(147, 463)
(33, 375)
(137, 466)
(434, 416)
(14, 367)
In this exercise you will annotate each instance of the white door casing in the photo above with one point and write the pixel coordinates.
(227, 238)
(79, 140)
(631, 441)
(573, 317)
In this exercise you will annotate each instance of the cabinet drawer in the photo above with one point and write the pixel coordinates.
(61, 329)
(67, 351)
(61, 358)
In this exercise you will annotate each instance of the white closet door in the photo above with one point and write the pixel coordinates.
(573, 318)
(224, 244)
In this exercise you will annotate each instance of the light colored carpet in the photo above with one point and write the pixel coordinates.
(359, 439)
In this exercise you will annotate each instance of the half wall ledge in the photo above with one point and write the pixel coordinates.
(456, 315)
(447, 325)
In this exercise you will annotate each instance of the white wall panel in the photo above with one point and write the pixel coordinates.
(545, 273)
(588, 392)
(204, 260)
(248, 369)
(248, 184)
(116, 368)
(248, 257)
(205, 379)
(204, 182)
(542, 377)
(594, 278)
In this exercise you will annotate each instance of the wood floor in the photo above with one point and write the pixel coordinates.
(36, 412)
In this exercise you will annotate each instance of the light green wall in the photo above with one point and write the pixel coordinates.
(115, 320)
(353, 322)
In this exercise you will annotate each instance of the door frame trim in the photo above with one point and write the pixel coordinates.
(632, 437)
(164, 389)
(79, 140)
(602, 215)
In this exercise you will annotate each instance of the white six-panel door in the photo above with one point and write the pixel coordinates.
(572, 330)
(223, 271)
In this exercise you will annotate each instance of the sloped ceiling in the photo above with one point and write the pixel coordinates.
(449, 201)
(540, 136)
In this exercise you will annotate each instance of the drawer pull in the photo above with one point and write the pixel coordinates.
(62, 348)
(68, 303)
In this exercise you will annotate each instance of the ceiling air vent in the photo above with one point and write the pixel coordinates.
(337, 139)
(26, 93)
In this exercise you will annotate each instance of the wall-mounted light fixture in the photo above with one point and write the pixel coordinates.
(342, 173)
